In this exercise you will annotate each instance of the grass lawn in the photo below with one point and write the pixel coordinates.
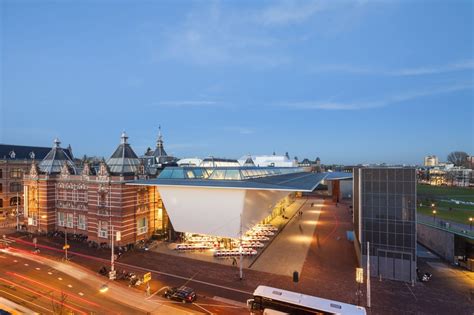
(460, 216)
(444, 192)
(460, 213)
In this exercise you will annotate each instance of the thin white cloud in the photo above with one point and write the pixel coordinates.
(290, 12)
(187, 103)
(387, 101)
(216, 36)
(458, 66)
(464, 65)
(299, 11)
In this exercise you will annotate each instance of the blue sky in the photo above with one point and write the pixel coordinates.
(348, 81)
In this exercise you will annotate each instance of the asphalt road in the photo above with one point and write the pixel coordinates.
(46, 290)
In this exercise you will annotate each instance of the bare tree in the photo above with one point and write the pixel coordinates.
(458, 158)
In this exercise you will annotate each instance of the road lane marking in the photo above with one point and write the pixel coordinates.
(165, 287)
(38, 283)
(17, 297)
(207, 311)
(42, 295)
(155, 272)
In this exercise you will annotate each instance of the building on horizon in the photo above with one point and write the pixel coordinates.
(384, 206)
(156, 160)
(431, 160)
(270, 160)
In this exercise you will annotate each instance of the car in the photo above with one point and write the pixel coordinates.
(183, 294)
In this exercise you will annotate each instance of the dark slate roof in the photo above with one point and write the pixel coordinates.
(56, 158)
(22, 152)
(123, 161)
(249, 162)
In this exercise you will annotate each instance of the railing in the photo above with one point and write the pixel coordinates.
(449, 226)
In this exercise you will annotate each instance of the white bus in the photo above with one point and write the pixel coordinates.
(267, 300)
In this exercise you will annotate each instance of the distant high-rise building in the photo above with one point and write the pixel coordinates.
(431, 160)
(470, 162)
(385, 215)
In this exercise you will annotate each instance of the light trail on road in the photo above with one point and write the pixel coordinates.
(53, 289)
(43, 295)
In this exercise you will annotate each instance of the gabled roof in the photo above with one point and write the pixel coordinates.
(21, 152)
(56, 158)
(249, 162)
(123, 161)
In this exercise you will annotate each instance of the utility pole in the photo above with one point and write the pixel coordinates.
(17, 213)
(240, 249)
(112, 256)
(368, 274)
(65, 242)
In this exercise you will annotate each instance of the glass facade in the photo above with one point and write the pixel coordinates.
(387, 219)
(225, 173)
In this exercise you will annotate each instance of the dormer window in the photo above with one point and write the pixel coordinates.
(32, 155)
(12, 154)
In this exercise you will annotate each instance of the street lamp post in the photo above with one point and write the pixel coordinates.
(470, 223)
(17, 213)
(434, 215)
(65, 242)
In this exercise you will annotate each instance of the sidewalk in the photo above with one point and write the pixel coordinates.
(116, 292)
(441, 223)
(287, 252)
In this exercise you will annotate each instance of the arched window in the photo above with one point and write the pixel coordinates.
(1, 187)
(1, 173)
(15, 201)
(15, 187)
(1, 203)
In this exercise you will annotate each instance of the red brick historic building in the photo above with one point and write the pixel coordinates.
(91, 199)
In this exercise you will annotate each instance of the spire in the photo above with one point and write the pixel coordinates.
(160, 150)
(57, 143)
(123, 138)
(159, 141)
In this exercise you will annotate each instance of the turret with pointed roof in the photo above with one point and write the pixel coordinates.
(56, 158)
(124, 161)
(160, 150)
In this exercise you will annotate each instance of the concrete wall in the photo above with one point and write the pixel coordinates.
(438, 241)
